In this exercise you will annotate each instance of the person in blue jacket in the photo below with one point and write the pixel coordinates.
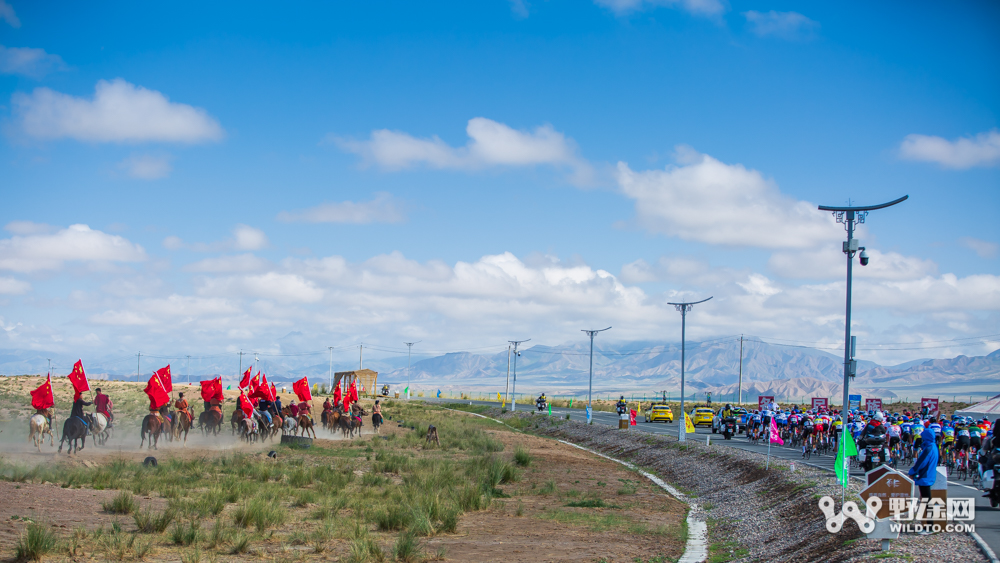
(924, 470)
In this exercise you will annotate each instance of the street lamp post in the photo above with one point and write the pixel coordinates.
(849, 216)
(513, 387)
(590, 385)
(683, 308)
(409, 349)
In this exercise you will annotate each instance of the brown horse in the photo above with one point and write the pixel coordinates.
(331, 419)
(306, 425)
(151, 426)
(210, 421)
(182, 424)
(236, 419)
(166, 423)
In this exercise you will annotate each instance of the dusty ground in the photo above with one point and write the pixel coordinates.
(641, 521)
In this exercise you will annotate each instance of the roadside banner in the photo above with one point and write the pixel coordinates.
(688, 426)
(763, 401)
(873, 404)
(820, 403)
(854, 402)
(631, 416)
(931, 405)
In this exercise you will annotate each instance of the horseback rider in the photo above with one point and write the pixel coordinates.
(181, 405)
(265, 407)
(277, 405)
(327, 409)
(377, 412)
(304, 409)
(293, 409)
(77, 411)
(103, 404)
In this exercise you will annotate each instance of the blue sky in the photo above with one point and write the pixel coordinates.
(469, 172)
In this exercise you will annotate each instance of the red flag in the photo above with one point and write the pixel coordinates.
(245, 405)
(218, 390)
(165, 379)
(208, 389)
(354, 391)
(631, 417)
(336, 394)
(274, 393)
(254, 383)
(158, 396)
(301, 388)
(266, 389)
(246, 379)
(79, 379)
(41, 398)
(347, 401)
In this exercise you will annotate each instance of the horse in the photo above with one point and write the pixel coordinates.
(236, 419)
(152, 426)
(74, 429)
(210, 421)
(167, 423)
(38, 427)
(182, 424)
(306, 425)
(98, 428)
(290, 426)
(249, 429)
(376, 421)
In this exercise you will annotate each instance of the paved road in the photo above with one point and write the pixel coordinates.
(987, 519)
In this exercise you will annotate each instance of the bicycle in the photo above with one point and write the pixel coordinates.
(963, 465)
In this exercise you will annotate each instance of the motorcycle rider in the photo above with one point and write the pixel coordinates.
(621, 407)
(874, 434)
(540, 402)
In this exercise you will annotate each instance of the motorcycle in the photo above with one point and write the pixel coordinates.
(729, 428)
(985, 480)
(540, 404)
(874, 454)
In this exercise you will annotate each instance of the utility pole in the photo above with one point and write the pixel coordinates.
(848, 216)
(138, 358)
(409, 350)
(50, 366)
(189, 369)
(590, 385)
(506, 390)
(361, 356)
(740, 384)
(684, 308)
(331, 369)
(513, 390)
(240, 374)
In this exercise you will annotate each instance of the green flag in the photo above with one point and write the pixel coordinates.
(550, 410)
(571, 402)
(407, 390)
(848, 447)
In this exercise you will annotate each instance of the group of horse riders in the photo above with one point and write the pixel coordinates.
(102, 401)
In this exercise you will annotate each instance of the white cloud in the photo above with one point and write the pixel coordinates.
(983, 248)
(7, 13)
(709, 201)
(118, 112)
(519, 8)
(229, 264)
(490, 144)
(981, 150)
(707, 8)
(383, 209)
(30, 253)
(244, 238)
(283, 288)
(829, 263)
(28, 228)
(787, 25)
(147, 166)
(27, 61)
(11, 286)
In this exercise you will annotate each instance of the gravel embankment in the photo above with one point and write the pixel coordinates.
(772, 514)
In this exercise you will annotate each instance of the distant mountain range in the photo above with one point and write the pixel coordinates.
(633, 367)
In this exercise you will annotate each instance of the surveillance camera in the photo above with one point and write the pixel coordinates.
(864, 257)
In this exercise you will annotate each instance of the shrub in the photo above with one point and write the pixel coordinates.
(185, 535)
(122, 503)
(521, 456)
(395, 516)
(449, 521)
(260, 513)
(35, 541)
(149, 523)
(408, 548)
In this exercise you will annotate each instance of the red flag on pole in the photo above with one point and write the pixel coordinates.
(208, 389)
(165, 379)
(41, 398)
(79, 379)
(336, 394)
(266, 389)
(218, 390)
(354, 391)
(347, 401)
(301, 388)
(245, 405)
(631, 417)
(246, 379)
(274, 393)
(158, 396)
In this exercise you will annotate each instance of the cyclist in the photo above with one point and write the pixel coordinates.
(976, 436)
(894, 431)
(807, 430)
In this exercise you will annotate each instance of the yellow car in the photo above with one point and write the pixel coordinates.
(659, 413)
(702, 415)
